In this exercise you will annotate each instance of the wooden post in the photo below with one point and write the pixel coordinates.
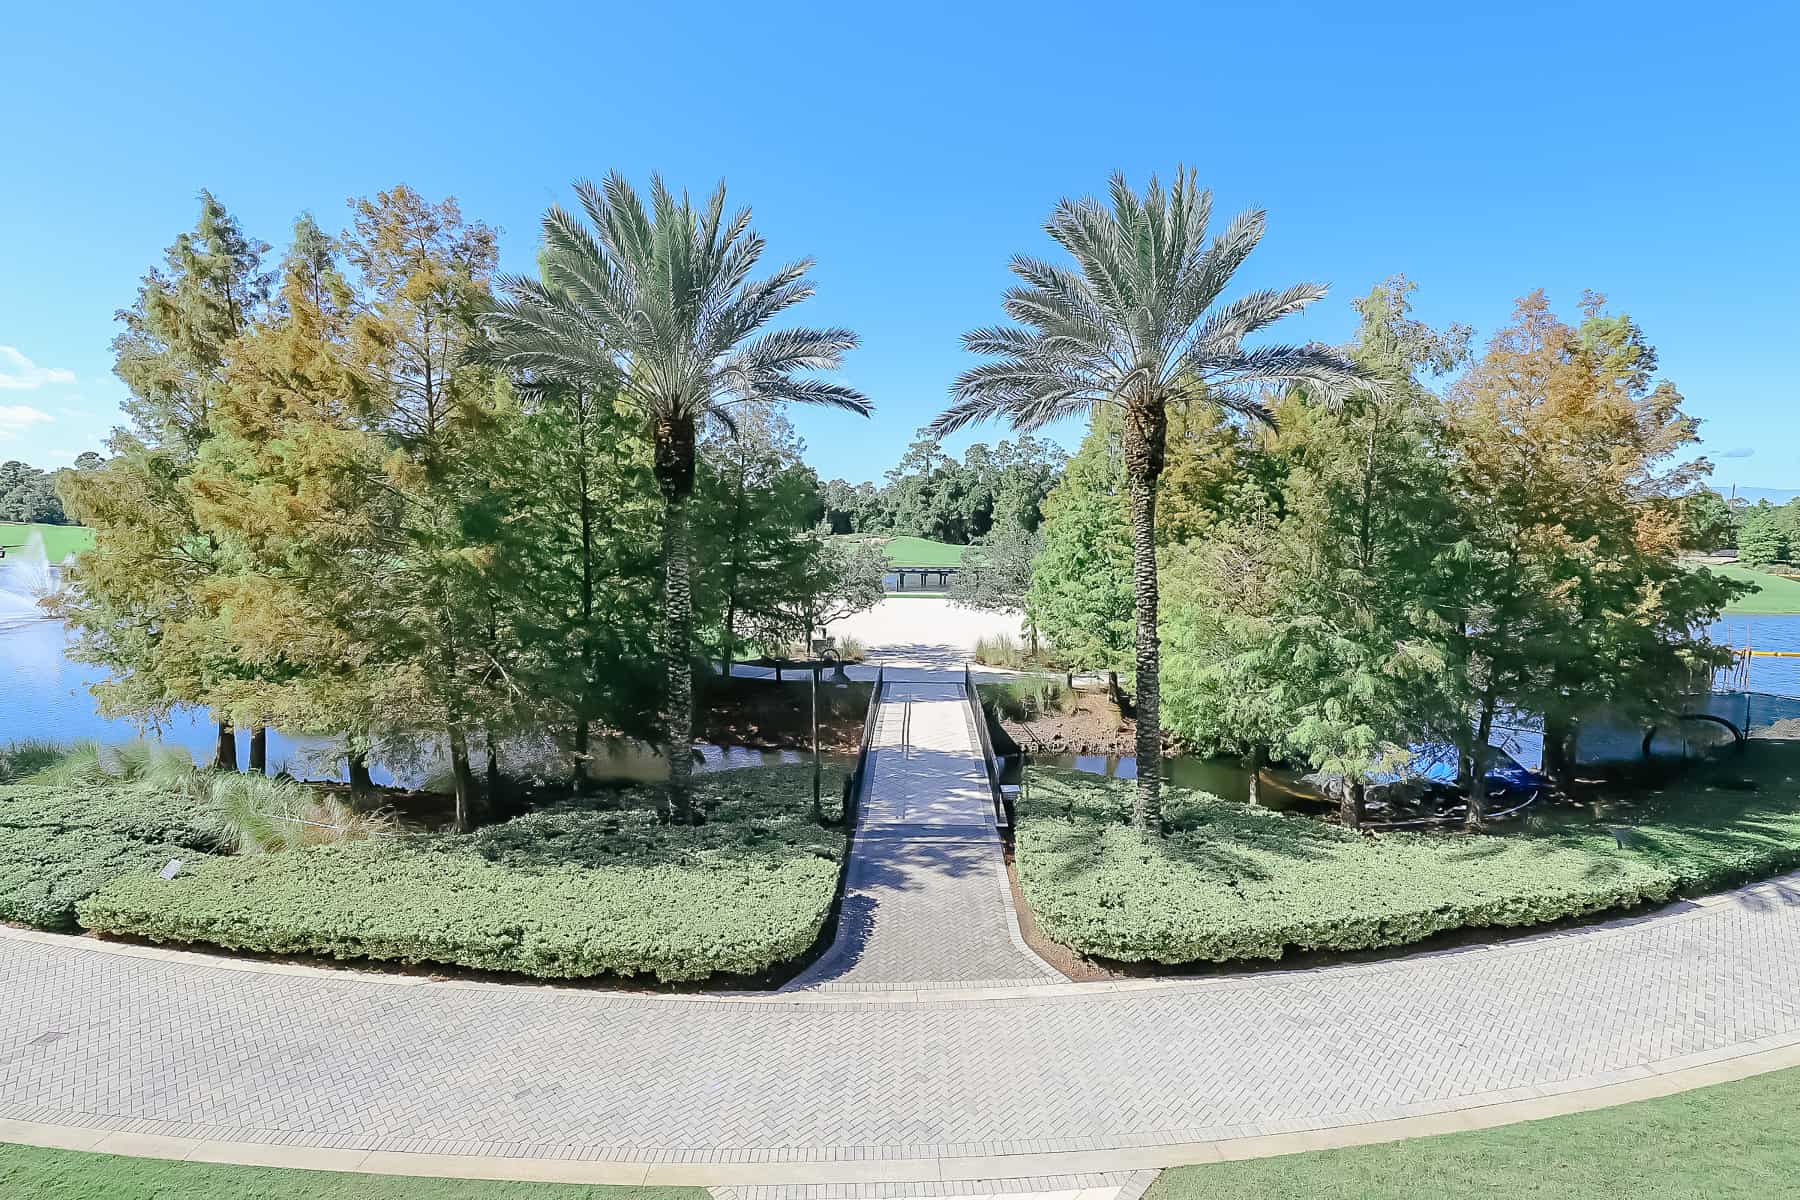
(818, 809)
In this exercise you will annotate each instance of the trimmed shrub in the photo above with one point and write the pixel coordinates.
(1231, 882)
(60, 844)
(582, 889)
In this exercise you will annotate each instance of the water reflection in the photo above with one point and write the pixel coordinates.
(43, 694)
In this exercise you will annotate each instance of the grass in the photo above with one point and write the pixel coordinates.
(1232, 883)
(1731, 1140)
(1027, 698)
(908, 551)
(1773, 595)
(60, 541)
(586, 887)
(76, 1175)
(1000, 650)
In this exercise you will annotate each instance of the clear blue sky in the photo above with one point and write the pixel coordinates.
(1649, 150)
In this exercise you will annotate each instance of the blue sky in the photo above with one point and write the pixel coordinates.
(1651, 151)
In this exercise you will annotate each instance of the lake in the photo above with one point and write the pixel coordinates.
(43, 694)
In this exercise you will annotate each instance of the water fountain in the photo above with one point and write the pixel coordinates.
(26, 577)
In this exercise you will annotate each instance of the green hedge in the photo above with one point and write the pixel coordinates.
(1231, 882)
(577, 891)
(59, 844)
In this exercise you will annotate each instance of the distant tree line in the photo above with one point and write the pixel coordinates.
(28, 495)
(930, 494)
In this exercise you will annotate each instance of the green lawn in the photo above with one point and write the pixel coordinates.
(1232, 883)
(920, 552)
(70, 1175)
(1733, 1140)
(60, 541)
(1773, 593)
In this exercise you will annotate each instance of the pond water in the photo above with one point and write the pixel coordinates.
(1600, 742)
(45, 695)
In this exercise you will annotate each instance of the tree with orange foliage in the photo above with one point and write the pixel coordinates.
(1569, 590)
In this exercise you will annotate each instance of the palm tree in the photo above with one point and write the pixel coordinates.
(1133, 327)
(660, 305)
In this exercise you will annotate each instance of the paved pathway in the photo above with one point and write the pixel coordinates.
(900, 1058)
(184, 1045)
(926, 901)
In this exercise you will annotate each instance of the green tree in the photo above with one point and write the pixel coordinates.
(1081, 580)
(29, 495)
(659, 304)
(424, 272)
(1762, 537)
(1708, 522)
(1304, 624)
(139, 607)
(838, 579)
(996, 575)
(1135, 327)
(1569, 590)
(755, 506)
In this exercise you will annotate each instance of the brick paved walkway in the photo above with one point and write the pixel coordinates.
(900, 1057)
(926, 901)
(183, 1045)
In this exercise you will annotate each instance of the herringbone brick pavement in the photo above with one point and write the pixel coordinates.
(926, 901)
(187, 1046)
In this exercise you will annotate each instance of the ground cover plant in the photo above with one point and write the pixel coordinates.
(590, 886)
(1231, 882)
(74, 1175)
(1732, 1140)
(63, 834)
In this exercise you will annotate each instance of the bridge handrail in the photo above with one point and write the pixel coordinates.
(988, 760)
(853, 785)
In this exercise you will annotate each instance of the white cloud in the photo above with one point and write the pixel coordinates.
(20, 374)
(15, 417)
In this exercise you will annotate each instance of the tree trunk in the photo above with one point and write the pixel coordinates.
(580, 775)
(674, 470)
(1559, 749)
(1257, 757)
(462, 779)
(1476, 820)
(678, 604)
(225, 752)
(727, 638)
(259, 750)
(1146, 425)
(361, 786)
(492, 796)
(1350, 803)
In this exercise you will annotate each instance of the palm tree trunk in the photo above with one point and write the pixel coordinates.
(1146, 426)
(678, 619)
(674, 470)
